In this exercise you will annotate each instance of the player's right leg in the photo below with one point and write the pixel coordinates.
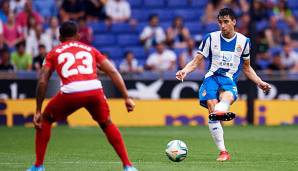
(57, 109)
(217, 133)
(221, 109)
(99, 109)
(208, 95)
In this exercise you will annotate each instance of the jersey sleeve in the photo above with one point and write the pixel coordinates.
(204, 47)
(245, 55)
(48, 61)
(99, 56)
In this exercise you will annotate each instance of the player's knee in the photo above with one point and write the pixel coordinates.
(105, 123)
(48, 118)
(227, 96)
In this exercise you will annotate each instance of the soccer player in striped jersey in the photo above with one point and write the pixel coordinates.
(228, 52)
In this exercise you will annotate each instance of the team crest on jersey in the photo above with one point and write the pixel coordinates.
(204, 93)
(239, 48)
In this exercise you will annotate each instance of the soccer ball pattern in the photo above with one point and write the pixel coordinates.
(176, 150)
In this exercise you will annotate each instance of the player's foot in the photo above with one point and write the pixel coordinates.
(38, 168)
(223, 156)
(222, 116)
(130, 168)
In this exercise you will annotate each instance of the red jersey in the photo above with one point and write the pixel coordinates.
(76, 65)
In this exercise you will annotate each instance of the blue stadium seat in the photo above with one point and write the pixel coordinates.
(104, 40)
(210, 27)
(121, 28)
(194, 27)
(46, 8)
(283, 26)
(295, 13)
(178, 3)
(199, 3)
(141, 26)
(135, 3)
(140, 15)
(163, 14)
(138, 51)
(115, 53)
(292, 4)
(128, 40)
(165, 25)
(178, 51)
(261, 25)
(154, 3)
(189, 14)
(98, 27)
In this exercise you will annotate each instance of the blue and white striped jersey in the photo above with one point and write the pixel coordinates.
(226, 55)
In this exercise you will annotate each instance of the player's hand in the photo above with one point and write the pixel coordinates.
(264, 86)
(37, 120)
(180, 75)
(130, 104)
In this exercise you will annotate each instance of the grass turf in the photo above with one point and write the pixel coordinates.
(84, 149)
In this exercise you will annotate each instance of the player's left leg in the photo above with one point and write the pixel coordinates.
(115, 139)
(99, 109)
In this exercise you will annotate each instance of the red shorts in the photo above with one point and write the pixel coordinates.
(64, 104)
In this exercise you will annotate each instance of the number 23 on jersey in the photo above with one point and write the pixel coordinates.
(70, 59)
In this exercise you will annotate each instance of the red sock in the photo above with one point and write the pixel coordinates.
(114, 136)
(42, 137)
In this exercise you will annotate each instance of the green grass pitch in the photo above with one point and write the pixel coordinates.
(84, 149)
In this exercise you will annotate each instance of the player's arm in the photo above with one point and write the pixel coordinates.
(42, 84)
(251, 74)
(190, 66)
(117, 79)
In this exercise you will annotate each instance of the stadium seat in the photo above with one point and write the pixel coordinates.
(163, 14)
(178, 3)
(98, 27)
(135, 3)
(121, 28)
(138, 51)
(283, 26)
(128, 40)
(178, 51)
(154, 3)
(292, 4)
(194, 27)
(189, 14)
(115, 53)
(165, 25)
(139, 28)
(140, 15)
(50, 10)
(295, 13)
(104, 40)
(210, 27)
(261, 25)
(199, 3)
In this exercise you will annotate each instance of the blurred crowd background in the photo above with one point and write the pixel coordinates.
(147, 35)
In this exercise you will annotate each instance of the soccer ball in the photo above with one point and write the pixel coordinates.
(176, 150)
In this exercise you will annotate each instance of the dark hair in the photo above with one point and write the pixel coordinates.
(21, 43)
(151, 16)
(68, 29)
(4, 50)
(227, 12)
(41, 46)
(127, 52)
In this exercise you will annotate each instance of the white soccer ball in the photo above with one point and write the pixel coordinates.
(176, 150)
